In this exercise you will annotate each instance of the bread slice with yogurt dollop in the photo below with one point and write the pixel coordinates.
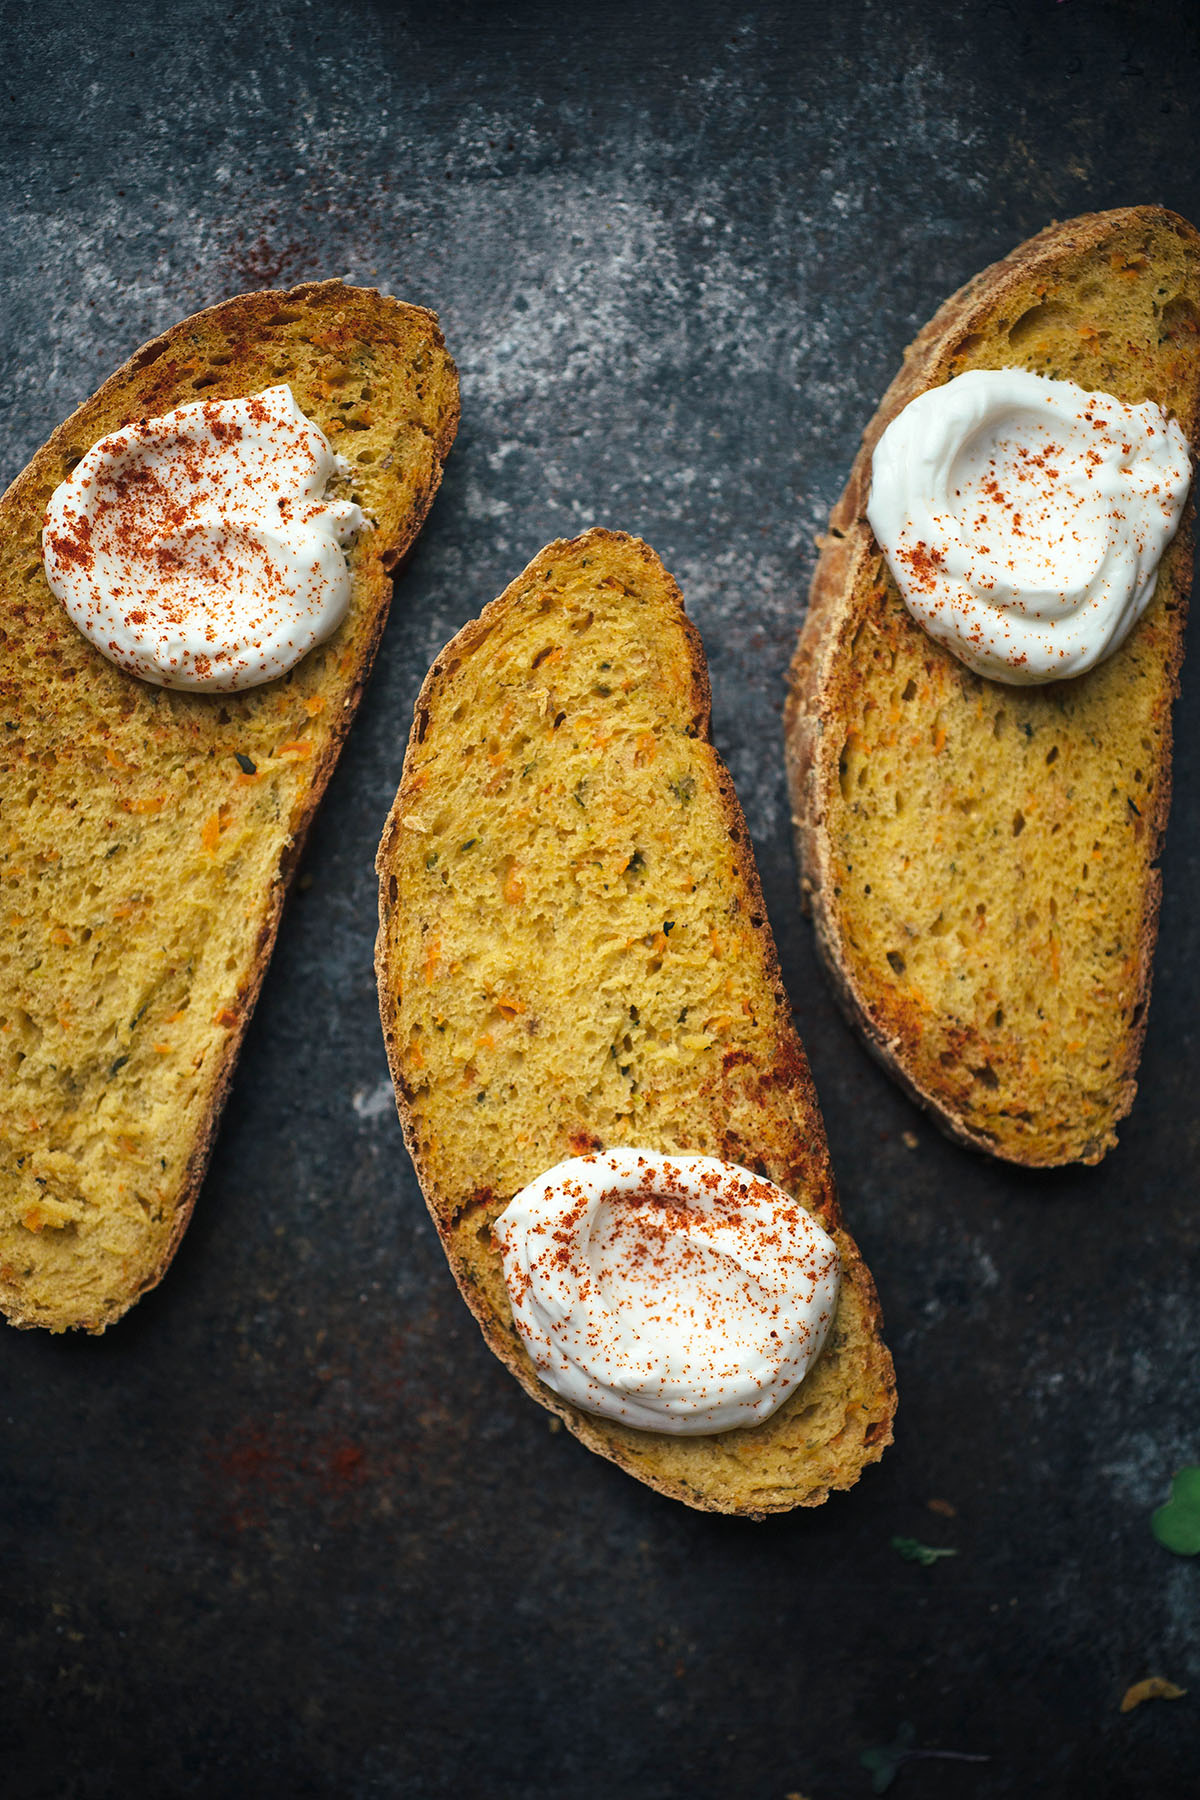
(574, 955)
(981, 858)
(149, 836)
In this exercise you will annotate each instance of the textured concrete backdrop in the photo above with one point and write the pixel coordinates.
(289, 1530)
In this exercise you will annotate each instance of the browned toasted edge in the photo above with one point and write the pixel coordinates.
(245, 309)
(588, 1428)
(848, 543)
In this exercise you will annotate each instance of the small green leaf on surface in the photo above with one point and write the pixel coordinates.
(885, 1764)
(925, 1554)
(1177, 1524)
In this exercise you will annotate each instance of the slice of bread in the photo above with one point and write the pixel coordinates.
(147, 837)
(574, 954)
(981, 859)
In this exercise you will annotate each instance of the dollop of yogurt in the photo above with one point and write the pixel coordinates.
(674, 1293)
(198, 550)
(1024, 519)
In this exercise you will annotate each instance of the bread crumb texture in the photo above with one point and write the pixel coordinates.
(574, 955)
(146, 837)
(983, 856)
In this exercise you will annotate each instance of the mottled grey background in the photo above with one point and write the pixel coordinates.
(289, 1530)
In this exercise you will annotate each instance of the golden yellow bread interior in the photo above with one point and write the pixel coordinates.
(574, 954)
(982, 858)
(146, 836)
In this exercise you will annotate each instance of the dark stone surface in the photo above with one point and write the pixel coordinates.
(289, 1530)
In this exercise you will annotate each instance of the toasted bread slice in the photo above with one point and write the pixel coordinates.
(147, 837)
(574, 954)
(981, 858)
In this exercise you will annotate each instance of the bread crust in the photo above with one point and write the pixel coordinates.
(239, 322)
(808, 1154)
(812, 709)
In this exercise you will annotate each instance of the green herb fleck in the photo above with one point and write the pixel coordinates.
(431, 859)
(115, 1067)
(668, 927)
(245, 763)
(684, 789)
(636, 864)
(1177, 1524)
(469, 845)
(925, 1554)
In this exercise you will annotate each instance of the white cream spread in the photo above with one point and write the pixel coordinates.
(674, 1293)
(1023, 519)
(198, 550)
